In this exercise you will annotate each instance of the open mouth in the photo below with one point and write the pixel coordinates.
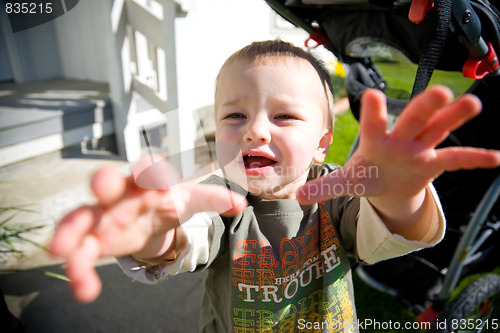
(257, 162)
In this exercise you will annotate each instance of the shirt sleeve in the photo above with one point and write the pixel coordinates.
(375, 242)
(193, 239)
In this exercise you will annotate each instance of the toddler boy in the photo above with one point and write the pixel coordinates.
(278, 247)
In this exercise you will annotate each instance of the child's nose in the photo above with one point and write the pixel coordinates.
(258, 131)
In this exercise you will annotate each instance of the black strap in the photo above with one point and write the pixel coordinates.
(434, 43)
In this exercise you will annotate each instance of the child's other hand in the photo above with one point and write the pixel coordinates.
(132, 216)
(395, 166)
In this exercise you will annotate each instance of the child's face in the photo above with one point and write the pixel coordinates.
(274, 112)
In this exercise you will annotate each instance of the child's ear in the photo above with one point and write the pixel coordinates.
(323, 146)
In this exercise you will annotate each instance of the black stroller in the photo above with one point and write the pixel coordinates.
(458, 35)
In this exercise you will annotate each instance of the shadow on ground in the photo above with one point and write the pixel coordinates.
(44, 304)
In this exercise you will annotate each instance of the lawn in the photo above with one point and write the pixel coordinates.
(346, 128)
(370, 303)
(399, 77)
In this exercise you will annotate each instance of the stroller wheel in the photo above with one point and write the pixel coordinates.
(475, 309)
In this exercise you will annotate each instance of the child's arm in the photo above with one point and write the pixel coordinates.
(128, 219)
(393, 168)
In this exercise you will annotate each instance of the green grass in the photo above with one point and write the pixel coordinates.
(400, 76)
(370, 303)
(346, 128)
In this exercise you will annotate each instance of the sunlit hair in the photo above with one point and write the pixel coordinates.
(260, 52)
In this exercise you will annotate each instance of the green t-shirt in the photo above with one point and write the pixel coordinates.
(282, 267)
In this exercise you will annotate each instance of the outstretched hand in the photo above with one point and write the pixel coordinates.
(132, 216)
(393, 167)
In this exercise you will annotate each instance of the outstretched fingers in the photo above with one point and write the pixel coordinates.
(211, 198)
(72, 229)
(154, 172)
(414, 118)
(448, 119)
(84, 280)
(322, 188)
(455, 158)
(373, 116)
(354, 179)
(108, 185)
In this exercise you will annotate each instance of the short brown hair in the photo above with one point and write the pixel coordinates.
(259, 51)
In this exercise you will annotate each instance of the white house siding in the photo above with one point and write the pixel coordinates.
(76, 46)
(80, 42)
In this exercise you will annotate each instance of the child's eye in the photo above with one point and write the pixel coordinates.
(235, 115)
(285, 116)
